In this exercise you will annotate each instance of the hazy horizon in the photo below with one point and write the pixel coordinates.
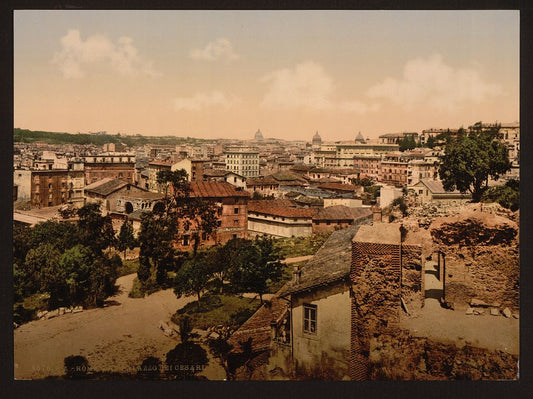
(225, 74)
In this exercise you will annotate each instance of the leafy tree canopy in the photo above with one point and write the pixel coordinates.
(470, 160)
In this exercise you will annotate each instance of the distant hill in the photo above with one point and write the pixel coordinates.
(30, 136)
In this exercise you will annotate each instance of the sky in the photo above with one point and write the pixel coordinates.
(226, 74)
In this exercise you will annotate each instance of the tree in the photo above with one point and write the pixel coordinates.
(185, 210)
(432, 142)
(156, 240)
(126, 239)
(61, 235)
(76, 265)
(220, 349)
(186, 360)
(470, 160)
(255, 266)
(45, 275)
(193, 276)
(94, 229)
(407, 143)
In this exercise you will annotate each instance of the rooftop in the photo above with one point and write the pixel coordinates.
(284, 208)
(215, 189)
(105, 186)
(341, 212)
(380, 233)
(258, 327)
(331, 263)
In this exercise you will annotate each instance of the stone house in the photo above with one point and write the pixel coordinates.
(111, 194)
(429, 190)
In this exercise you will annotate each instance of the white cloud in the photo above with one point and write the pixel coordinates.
(76, 55)
(306, 85)
(433, 83)
(220, 48)
(204, 100)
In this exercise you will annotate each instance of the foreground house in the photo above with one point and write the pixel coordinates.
(319, 298)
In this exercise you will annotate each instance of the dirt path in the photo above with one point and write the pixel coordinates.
(114, 338)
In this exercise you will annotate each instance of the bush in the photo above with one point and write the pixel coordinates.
(240, 316)
(76, 367)
(507, 195)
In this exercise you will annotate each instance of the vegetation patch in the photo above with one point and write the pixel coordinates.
(128, 267)
(215, 310)
(300, 246)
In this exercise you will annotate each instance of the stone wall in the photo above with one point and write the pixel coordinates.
(412, 276)
(482, 259)
(403, 357)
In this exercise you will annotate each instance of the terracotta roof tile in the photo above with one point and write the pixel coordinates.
(105, 186)
(341, 212)
(257, 327)
(215, 189)
(283, 208)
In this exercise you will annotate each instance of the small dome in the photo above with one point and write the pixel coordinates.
(258, 135)
(360, 138)
(317, 139)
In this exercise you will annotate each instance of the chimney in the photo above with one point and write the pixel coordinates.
(376, 211)
(296, 274)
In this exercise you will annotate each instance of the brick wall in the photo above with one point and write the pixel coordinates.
(375, 276)
(380, 277)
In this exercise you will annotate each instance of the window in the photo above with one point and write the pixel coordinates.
(236, 211)
(185, 240)
(236, 222)
(234, 235)
(309, 318)
(204, 236)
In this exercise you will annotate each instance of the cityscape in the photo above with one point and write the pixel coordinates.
(297, 234)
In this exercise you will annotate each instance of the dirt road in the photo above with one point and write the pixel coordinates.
(115, 338)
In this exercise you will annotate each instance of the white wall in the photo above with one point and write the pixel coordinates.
(388, 194)
(332, 338)
(22, 179)
(349, 202)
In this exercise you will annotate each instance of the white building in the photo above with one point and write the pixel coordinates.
(243, 161)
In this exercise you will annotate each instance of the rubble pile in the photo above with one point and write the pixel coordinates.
(402, 357)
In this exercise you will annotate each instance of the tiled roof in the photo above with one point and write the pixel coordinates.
(284, 208)
(161, 163)
(286, 177)
(257, 327)
(265, 181)
(341, 212)
(337, 187)
(105, 186)
(215, 189)
(436, 187)
(331, 263)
